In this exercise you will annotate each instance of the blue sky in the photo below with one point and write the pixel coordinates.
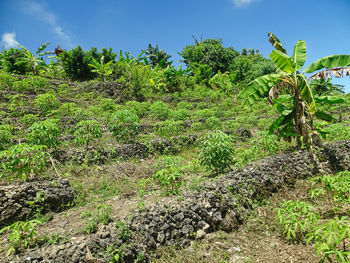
(131, 25)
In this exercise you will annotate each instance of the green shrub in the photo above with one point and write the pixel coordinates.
(337, 131)
(107, 104)
(184, 105)
(16, 104)
(197, 127)
(6, 80)
(169, 174)
(297, 219)
(231, 125)
(24, 161)
(159, 110)
(86, 131)
(5, 136)
(169, 128)
(140, 108)
(44, 133)
(125, 126)
(29, 119)
(216, 151)
(102, 215)
(46, 102)
(181, 114)
(205, 113)
(22, 235)
(67, 109)
(32, 84)
(213, 123)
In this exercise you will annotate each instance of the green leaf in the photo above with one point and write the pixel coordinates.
(306, 93)
(329, 99)
(299, 54)
(283, 61)
(329, 62)
(276, 43)
(258, 87)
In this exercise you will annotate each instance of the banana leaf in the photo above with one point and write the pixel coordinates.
(329, 62)
(258, 88)
(283, 61)
(329, 99)
(324, 116)
(276, 43)
(299, 54)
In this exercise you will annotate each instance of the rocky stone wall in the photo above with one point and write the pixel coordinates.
(222, 204)
(15, 199)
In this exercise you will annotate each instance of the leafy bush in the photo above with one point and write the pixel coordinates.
(184, 105)
(197, 126)
(66, 109)
(159, 110)
(216, 151)
(107, 104)
(140, 108)
(102, 215)
(125, 125)
(23, 160)
(29, 119)
(205, 113)
(213, 123)
(332, 239)
(22, 235)
(16, 104)
(297, 219)
(5, 136)
(86, 131)
(181, 114)
(33, 84)
(169, 128)
(46, 102)
(44, 133)
(169, 174)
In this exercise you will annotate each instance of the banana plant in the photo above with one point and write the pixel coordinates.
(290, 92)
(33, 60)
(102, 69)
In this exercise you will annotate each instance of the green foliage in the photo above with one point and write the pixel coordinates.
(169, 128)
(213, 123)
(332, 239)
(123, 230)
(209, 52)
(337, 131)
(197, 127)
(32, 61)
(16, 104)
(159, 110)
(107, 104)
(44, 133)
(338, 185)
(76, 62)
(46, 102)
(102, 215)
(297, 218)
(102, 69)
(22, 235)
(181, 114)
(216, 151)
(8, 60)
(157, 57)
(125, 125)
(23, 160)
(29, 119)
(140, 108)
(184, 105)
(5, 136)
(86, 131)
(296, 119)
(169, 174)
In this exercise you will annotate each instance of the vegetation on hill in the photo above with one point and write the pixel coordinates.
(142, 130)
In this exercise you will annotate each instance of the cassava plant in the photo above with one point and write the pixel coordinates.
(297, 104)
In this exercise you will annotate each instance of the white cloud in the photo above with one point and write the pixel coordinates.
(241, 3)
(40, 11)
(9, 40)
